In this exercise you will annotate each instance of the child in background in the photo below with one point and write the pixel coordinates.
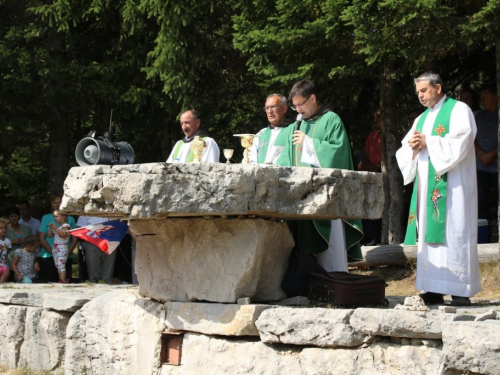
(5, 245)
(60, 249)
(24, 263)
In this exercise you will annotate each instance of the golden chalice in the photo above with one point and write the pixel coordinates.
(246, 142)
(197, 146)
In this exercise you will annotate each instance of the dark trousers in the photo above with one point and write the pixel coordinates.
(485, 182)
(48, 271)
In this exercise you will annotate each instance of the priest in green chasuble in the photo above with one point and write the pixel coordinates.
(321, 142)
(438, 155)
(269, 142)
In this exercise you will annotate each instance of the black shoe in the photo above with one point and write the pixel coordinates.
(431, 298)
(460, 301)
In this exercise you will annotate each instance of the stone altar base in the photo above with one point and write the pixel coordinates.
(218, 260)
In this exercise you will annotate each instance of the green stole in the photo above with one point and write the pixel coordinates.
(436, 185)
(264, 138)
(178, 148)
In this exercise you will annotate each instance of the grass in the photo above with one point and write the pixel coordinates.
(401, 280)
(4, 370)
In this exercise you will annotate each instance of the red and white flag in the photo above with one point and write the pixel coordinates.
(106, 236)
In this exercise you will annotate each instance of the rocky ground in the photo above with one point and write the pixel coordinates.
(401, 281)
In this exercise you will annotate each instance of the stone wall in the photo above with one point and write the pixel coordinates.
(119, 332)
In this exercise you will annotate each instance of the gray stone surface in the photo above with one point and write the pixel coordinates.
(32, 337)
(402, 323)
(214, 318)
(159, 190)
(218, 260)
(119, 333)
(472, 346)
(66, 297)
(204, 355)
(116, 333)
(314, 326)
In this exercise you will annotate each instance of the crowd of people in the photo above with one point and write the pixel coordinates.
(44, 251)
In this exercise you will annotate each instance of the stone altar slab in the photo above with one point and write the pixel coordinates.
(161, 190)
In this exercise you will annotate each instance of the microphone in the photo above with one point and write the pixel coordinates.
(299, 121)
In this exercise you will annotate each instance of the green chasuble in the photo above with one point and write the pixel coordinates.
(279, 143)
(333, 151)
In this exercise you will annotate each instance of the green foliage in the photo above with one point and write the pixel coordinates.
(64, 65)
(482, 25)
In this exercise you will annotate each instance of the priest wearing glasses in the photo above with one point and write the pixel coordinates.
(269, 142)
(319, 140)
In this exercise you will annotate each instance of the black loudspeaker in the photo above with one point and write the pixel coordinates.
(103, 150)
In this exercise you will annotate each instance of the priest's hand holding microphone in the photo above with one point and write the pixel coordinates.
(298, 136)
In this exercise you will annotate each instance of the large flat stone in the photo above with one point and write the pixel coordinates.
(69, 297)
(402, 323)
(216, 260)
(316, 326)
(214, 318)
(472, 346)
(159, 190)
(204, 355)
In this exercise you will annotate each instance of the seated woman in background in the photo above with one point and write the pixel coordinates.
(16, 232)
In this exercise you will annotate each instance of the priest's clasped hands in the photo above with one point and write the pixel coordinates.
(417, 142)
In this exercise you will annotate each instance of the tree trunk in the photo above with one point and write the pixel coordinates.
(58, 126)
(397, 255)
(393, 223)
(498, 108)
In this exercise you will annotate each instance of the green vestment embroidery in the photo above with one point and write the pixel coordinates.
(436, 185)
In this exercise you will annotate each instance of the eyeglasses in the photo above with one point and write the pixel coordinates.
(294, 107)
(271, 108)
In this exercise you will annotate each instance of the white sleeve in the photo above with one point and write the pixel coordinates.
(171, 156)
(211, 153)
(309, 153)
(407, 163)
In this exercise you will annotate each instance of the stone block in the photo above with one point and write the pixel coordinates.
(204, 355)
(214, 318)
(315, 326)
(214, 260)
(488, 315)
(115, 333)
(448, 309)
(401, 323)
(64, 301)
(159, 190)
(44, 339)
(32, 337)
(472, 346)
(12, 327)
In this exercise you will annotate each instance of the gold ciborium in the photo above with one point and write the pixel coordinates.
(197, 146)
(246, 142)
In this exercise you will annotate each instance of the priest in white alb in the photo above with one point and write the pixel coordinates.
(438, 155)
(190, 125)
